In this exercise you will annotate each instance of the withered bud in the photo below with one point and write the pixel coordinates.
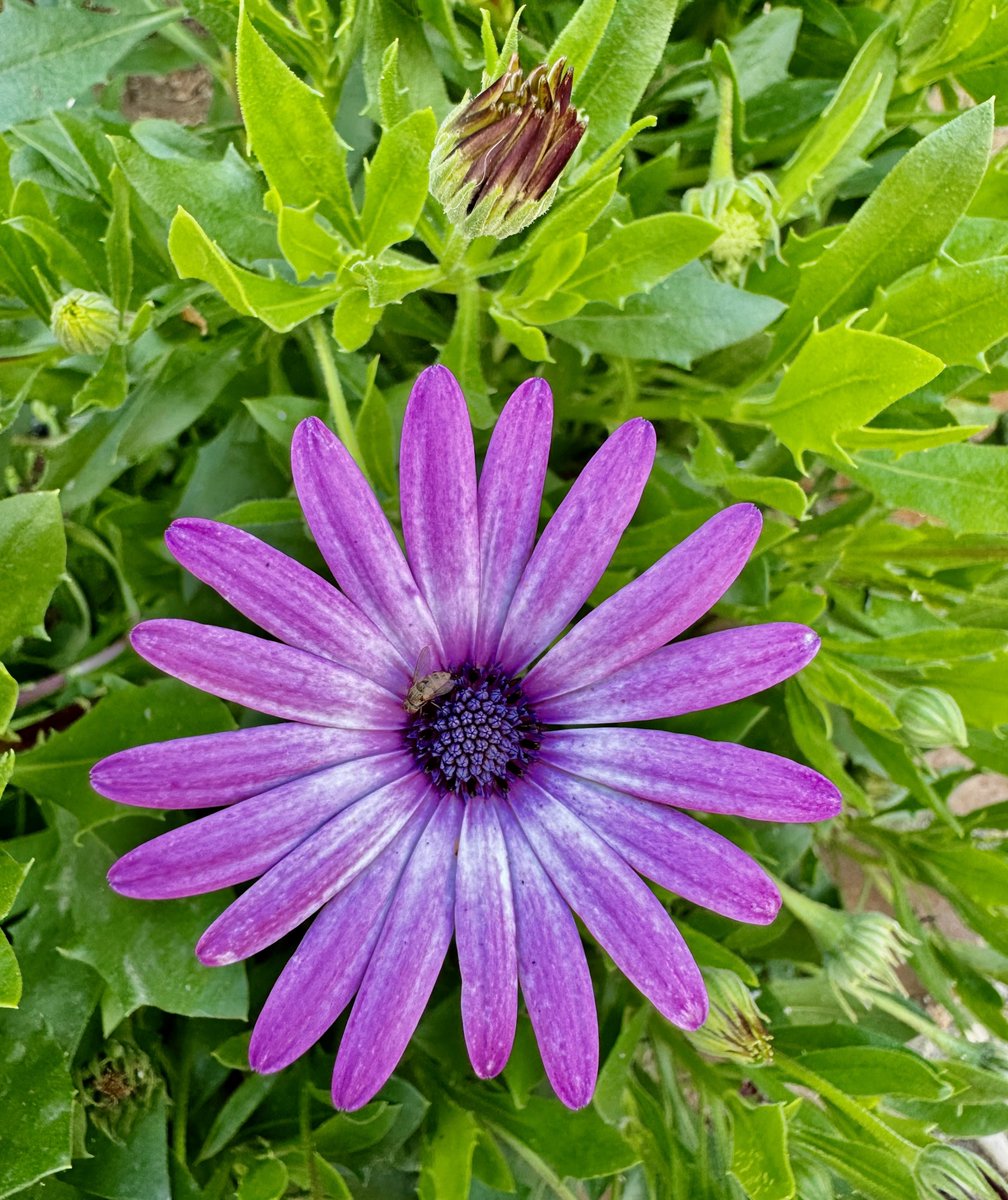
(498, 158)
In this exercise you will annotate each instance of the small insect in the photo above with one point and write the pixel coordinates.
(426, 686)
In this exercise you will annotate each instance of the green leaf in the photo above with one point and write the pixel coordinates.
(952, 310)
(461, 355)
(634, 257)
(375, 435)
(840, 380)
(397, 179)
(305, 244)
(107, 387)
(234, 1112)
(137, 1168)
(760, 1159)
(528, 339)
(579, 38)
(354, 319)
(57, 770)
(964, 486)
(875, 1071)
(902, 223)
(622, 67)
(225, 197)
(291, 135)
(447, 1152)
(278, 416)
(12, 875)
(679, 321)
(51, 55)
(144, 952)
(833, 147)
(574, 212)
(578, 1143)
(32, 559)
(275, 302)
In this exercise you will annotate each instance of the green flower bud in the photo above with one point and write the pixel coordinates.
(734, 1030)
(861, 950)
(930, 718)
(498, 158)
(84, 322)
(947, 1173)
(743, 209)
(116, 1088)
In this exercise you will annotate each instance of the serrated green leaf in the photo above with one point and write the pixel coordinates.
(275, 302)
(840, 380)
(446, 1154)
(32, 559)
(965, 486)
(956, 311)
(901, 225)
(875, 1071)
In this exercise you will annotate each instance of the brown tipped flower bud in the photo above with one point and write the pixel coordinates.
(84, 322)
(498, 158)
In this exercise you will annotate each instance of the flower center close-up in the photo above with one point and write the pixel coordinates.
(477, 737)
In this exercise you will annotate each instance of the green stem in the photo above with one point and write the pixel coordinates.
(334, 390)
(314, 1182)
(875, 1128)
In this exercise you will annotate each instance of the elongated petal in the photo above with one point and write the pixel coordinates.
(553, 972)
(357, 541)
(617, 907)
(485, 937)
(690, 772)
(510, 495)
(437, 487)
(577, 544)
(243, 841)
(405, 963)
(689, 676)
(321, 977)
(285, 598)
(305, 879)
(672, 849)
(653, 609)
(220, 768)
(267, 676)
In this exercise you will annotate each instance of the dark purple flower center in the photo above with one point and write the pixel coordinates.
(478, 737)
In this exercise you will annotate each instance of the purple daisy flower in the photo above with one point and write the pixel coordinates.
(485, 800)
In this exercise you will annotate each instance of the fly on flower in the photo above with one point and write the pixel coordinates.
(522, 797)
(426, 685)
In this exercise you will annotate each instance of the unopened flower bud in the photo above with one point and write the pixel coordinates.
(948, 1173)
(734, 1029)
(861, 950)
(84, 322)
(498, 158)
(116, 1088)
(930, 718)
(743, 211)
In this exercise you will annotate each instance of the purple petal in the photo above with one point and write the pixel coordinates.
(554, 973)
(405, 964)
(437, 487)
(305, 879)
(689, 676)
(357, 541)
(241, 842)
(690, 772)
(485, 937)
(674, 850)
(220, 768)
(616, 905)
(653, 609)
(266, 676)
(285, 598)
(510, 495)
(577, 544)
(321, 977)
